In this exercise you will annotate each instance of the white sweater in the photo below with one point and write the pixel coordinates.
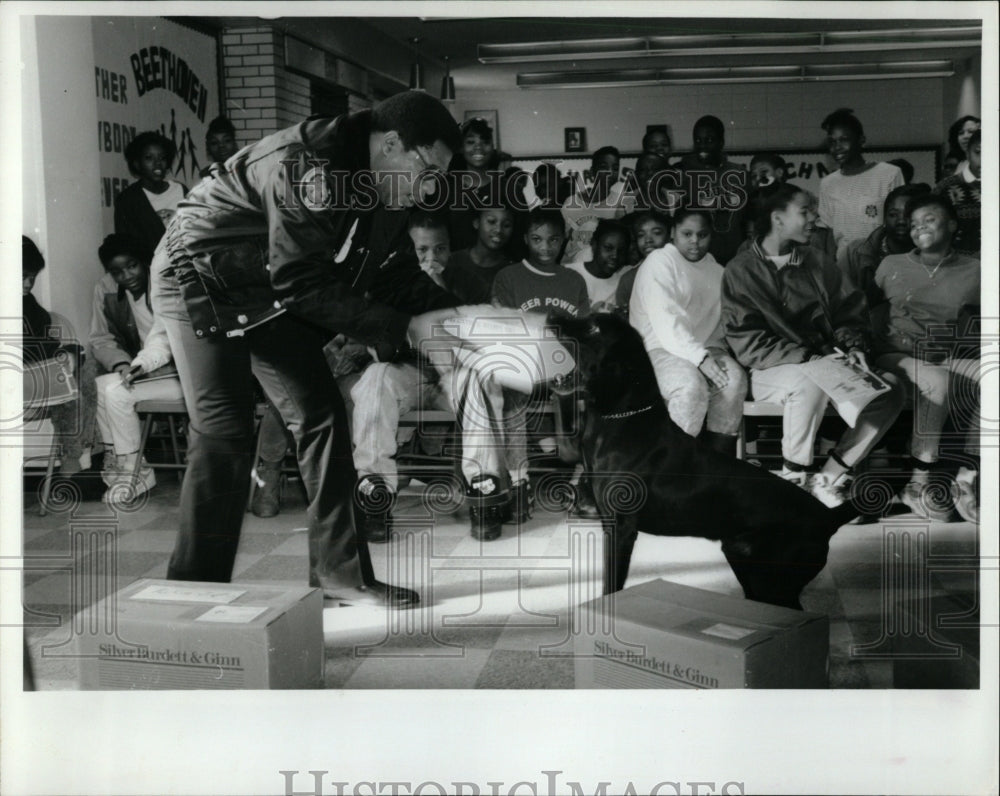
(677, 305)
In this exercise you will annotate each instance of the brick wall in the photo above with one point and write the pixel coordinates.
(261, 96)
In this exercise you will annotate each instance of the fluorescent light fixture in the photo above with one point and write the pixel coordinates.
(573, 49)
(731, 44)
(735, 74)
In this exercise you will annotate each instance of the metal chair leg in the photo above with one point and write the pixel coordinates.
(741, 440)
(47, 481)
(147, 426)
(253, 466)
(173, 439)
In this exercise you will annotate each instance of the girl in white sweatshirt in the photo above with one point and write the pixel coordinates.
(676, 307)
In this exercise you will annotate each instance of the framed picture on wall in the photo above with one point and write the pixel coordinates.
(576, 139)
(492, 118)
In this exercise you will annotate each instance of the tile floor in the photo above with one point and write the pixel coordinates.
(493, 615)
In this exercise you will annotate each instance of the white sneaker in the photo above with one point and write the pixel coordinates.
(831, 492)
(123, 487)
(798, 477)
(965, 494)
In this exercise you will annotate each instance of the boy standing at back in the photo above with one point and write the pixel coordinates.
(605, 198)
(851, 198)
(713, 183)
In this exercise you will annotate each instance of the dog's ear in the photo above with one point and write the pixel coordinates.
(572, 328)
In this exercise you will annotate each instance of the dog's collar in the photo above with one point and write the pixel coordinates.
(630, 413)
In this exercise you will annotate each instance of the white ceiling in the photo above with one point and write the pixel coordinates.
(385, 45)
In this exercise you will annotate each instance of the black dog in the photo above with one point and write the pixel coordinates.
(650, 476)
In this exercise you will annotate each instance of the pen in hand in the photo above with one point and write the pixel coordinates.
(857, 360)
(131, 375)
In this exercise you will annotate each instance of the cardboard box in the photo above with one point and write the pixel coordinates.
(664, 635)
(185, 635)
(935, 643)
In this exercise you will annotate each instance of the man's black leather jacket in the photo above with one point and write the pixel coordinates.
(292, 223)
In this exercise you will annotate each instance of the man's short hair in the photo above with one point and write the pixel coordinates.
(419, 118)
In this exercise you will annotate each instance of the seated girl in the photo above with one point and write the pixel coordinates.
(783, 304)
(676, 307)
(129, 342)
(47, 338)
(650, 231)
(925, 288)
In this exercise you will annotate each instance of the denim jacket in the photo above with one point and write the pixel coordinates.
(292, 224)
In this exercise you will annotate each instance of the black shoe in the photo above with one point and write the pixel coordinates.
(522, 501)
(394, 596)
(267, 489)
(373, 500)
(373, 595)
(487, 505)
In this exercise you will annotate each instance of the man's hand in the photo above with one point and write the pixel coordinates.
(338, 342)
(715, 371)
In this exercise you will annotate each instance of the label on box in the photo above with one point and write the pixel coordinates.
(232, 613)
(188, 594)
(732, 632)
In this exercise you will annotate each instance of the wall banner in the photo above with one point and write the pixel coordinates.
(806, 168)
(151, 74)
